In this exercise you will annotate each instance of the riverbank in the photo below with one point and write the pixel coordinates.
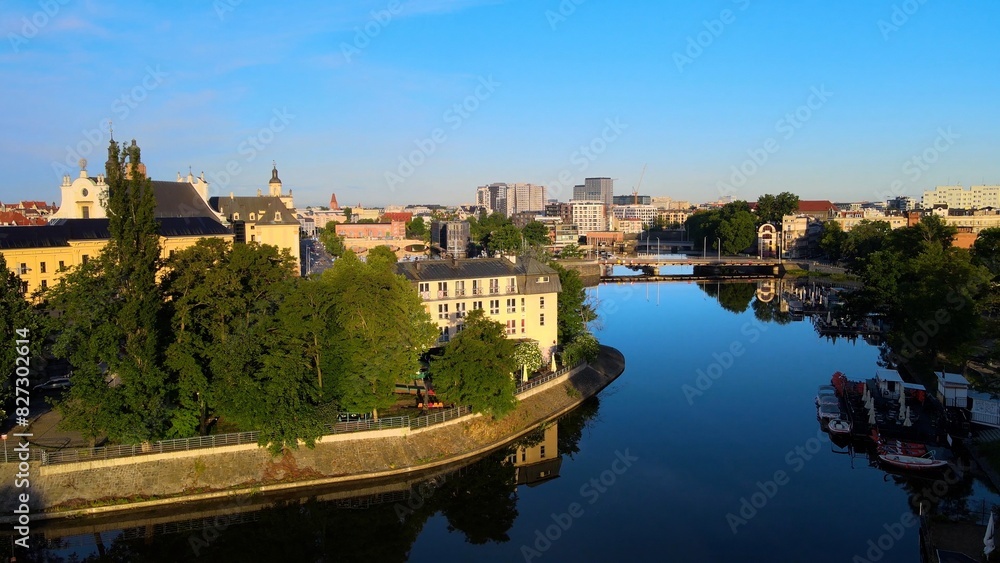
(71, 490)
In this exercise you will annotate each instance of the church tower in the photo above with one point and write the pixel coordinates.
(275, 183)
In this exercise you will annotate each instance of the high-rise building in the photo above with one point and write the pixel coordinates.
(509, 199)
(603, 187)
(632, 200)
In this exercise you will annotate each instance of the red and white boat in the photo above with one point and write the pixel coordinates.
(920, 463)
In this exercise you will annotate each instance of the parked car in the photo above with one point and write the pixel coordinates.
(53, 384)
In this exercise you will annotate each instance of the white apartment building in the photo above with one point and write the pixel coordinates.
(957, 197)
(509, 199)
(645, 214)
(589, 216)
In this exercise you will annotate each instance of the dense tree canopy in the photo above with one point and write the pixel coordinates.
(486, 384)
(772, 208)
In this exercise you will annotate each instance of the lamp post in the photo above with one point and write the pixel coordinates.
(657, 247)
(704, 248)
(719, 239)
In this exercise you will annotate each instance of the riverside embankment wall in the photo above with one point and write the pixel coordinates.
(159, 479)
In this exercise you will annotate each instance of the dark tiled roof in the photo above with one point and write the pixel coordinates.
(263, 208)
(59, 232)
(528, 270)
(179, 199)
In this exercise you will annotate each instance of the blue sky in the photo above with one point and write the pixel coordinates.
(420, 101)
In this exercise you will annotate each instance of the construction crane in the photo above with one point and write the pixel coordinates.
(635, 191)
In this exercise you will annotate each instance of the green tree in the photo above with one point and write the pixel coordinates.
(574, 312)
(240, 318)
(771, 208)
(865, 238)
(331, 241)
(571, 251)
(348, 214)
(737, 231)
(986, 250)
(382, 256)
(832, 240)
(703, 226)
(505, 240)
(19, 321)
(119, 367)
(416, 229)
(380, 329)
(536, 234)
(584, 348)
(477, 368)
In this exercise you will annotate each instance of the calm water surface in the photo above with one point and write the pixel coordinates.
(706, 449)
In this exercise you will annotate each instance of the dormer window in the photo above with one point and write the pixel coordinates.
(277, 216)
(253, 217)
(236, 216)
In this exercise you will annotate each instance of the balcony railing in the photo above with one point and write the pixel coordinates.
(477, 291)
(442, 294)
(459, 293)
(511, 289)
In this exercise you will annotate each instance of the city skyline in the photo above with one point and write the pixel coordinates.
(422, 101)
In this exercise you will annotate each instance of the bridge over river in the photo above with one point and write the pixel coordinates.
(726, 268)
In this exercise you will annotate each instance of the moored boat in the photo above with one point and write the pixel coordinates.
(902, 461)
(838, 426)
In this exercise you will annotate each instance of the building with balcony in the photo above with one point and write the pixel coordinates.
(588, 216)
(396, 230)
(957, 197)
(520, 293)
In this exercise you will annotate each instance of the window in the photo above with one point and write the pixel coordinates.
(236, 216)
(23, 269)
(460, 288)
(45, 284)
(253, 216)
(512, 326)
(494, 286)
(476, 288)
(277, 216)
(460, 310)
(541, 451)
(41, 267)
(253, 238)
(62, 265)
(459, 328)
(543, 279)
(85, 258)
(522, 326)
(477, 305)
(442, 289)
(443, 311)
(522, 304)
(512, 305)
(170, 254)
(85, 211)
(425, 289)
(494, 306)
(541, 319)
(541, 302)
(524, 455)
(24, 287)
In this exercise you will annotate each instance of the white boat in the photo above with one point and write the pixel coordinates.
(828, 412)
(827, 400)
(838, 426)
(902, 461)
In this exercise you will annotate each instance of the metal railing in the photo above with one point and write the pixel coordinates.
(439, 417)
(531, 384)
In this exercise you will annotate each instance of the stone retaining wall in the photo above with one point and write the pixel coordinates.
(73, 489)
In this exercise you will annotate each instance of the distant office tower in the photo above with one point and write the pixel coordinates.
(509, 199)
(451, 238)
(603, 187)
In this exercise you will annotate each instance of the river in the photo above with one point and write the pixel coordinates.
(707, 448)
